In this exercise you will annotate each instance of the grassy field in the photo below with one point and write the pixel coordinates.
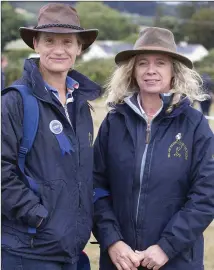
(93, 250)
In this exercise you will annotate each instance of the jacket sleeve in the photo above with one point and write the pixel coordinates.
(198, 212)
(18, 201)
(106, 228)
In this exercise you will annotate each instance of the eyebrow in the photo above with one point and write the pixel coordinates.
(52, 36)
(47, 35)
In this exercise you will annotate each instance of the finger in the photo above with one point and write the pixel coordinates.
(151, 265)
(156, 267)
(124, 265)
(135, 259)
(118, 266)
(141, 255)
(145, 262)
(125, 258)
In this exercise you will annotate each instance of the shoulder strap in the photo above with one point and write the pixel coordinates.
(30, 123)
(30, 126)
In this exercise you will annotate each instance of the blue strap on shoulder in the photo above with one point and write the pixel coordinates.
(30, 126)
(30, 123)
(100, 193)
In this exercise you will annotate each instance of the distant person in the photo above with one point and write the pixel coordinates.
(4, 63)
(208, 86)
(47, 208)
(153, 161)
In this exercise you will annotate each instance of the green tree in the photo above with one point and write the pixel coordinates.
(186, 10)
(200, 28)
(10, 21)
(206, 65)
(111, 24)
(98, 70)
(131, 38)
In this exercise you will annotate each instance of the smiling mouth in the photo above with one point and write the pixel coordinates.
(151, 80)
(59, 59)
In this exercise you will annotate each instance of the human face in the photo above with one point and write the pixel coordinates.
(57, 51)
(153, 73)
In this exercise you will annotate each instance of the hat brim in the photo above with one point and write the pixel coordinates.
(87, 36)
(126, 55)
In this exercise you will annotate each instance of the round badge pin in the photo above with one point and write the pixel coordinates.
(56, 126)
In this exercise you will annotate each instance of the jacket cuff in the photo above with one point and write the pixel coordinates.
(167, 248)
(109, 237)
(35, 215)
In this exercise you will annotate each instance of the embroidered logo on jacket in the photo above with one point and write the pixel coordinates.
(178, 148)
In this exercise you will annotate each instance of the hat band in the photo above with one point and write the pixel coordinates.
(59, 25)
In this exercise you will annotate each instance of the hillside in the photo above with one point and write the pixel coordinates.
(142, 8)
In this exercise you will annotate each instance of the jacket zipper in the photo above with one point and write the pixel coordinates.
(148, 136)
(67, 115)
(148, 133)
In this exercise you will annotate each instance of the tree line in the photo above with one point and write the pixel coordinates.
(194, 25)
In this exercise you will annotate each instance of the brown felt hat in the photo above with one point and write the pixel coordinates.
(58, 18)
(154, 40)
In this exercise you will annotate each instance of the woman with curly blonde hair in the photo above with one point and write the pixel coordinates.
(154, 161)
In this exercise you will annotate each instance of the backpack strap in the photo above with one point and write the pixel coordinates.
(30, 126)
(30, 123)
(100, 193)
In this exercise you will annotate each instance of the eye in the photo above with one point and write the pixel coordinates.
(49, 40)
(161, 63)
(142, 63)
(68, 41)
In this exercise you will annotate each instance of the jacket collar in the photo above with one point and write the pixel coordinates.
(173, 105)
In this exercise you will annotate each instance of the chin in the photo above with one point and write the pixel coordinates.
(153, 91)
(58, 70)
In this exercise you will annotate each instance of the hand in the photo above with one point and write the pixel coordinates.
(123, 257)
(153, 257)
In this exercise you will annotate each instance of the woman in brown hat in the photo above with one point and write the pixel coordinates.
(154, 161)
(47, 205)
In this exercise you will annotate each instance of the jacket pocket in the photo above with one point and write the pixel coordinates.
(49, 193)
(187, 254)
(198, 249)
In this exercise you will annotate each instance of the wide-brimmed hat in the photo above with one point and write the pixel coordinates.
(154, 39)
(58, 18)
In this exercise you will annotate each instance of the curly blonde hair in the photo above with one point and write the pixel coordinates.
(186, 82)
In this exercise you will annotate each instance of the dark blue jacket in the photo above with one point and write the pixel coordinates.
(175, 196)
(65, 198)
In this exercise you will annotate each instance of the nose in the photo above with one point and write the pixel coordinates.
(151, 69)
(59, 48)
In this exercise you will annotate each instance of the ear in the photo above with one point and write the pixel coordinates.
(79, 50)
(172, 82)
(35, 45)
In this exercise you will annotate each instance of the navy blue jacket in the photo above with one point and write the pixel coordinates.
(175, 196)
(65, 198)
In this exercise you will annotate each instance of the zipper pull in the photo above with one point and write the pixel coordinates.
(148, 132)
